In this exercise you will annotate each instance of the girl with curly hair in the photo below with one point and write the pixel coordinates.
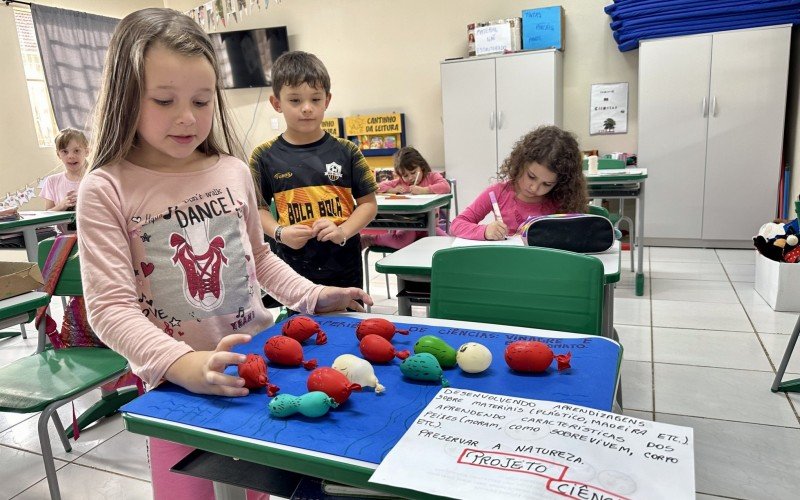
(542, 176)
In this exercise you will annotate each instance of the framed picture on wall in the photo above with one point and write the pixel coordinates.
(608, 109)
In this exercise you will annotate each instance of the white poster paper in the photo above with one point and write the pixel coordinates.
(492, 39)
(473, 445)
(609, 109)
(511, 241)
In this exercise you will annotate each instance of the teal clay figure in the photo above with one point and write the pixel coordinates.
(444, 354)
(423, 366)
(312, 404)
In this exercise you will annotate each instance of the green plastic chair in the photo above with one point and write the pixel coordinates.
(50, 378)
(519, 286)
(601, 211)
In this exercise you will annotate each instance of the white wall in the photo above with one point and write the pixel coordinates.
(384, 55)
(23, 161)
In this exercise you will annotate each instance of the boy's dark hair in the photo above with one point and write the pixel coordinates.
(296, 68)
(407, 159)
(557, 150)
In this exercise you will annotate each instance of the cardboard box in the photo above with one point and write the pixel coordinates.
(778, 283)
(543, 28)
(17, 278)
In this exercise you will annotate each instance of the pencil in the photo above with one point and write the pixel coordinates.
(416, 179)
(495, 207)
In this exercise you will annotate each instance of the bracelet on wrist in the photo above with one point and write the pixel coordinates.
(344, 242)
(278, 231)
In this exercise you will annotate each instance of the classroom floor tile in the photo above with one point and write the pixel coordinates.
(712, 271)
(719, 349)
(700, 350)
(742, 460)
(637, 341)
(672, 254)
(720, 393)
(694, 291)
(684, 314)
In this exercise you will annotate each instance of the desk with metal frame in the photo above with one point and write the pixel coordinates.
(409, 212)
(29, 222)
(624, 184)
(414, 262)
(205, 409)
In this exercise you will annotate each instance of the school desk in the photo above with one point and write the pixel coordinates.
(414, 262)
(624, 184)
(19, 310)
(348, 443)
(29, 222)
(409, 212)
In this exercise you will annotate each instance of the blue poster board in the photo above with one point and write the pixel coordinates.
(543, 28)
(368, 425)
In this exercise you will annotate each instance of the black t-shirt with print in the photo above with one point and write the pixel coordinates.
(321, 179)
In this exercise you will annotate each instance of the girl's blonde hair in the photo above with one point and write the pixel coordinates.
(407, 159)
(117, 111)
(66, 135)
(557, 150)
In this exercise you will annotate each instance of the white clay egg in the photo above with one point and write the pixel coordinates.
(473, 357)
(791, 239)
(358, 371)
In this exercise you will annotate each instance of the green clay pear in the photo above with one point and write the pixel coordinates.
(423, 366)
(312, 404)
(443, 353)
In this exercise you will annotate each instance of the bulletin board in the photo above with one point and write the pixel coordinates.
(334, 126)
(376, 135)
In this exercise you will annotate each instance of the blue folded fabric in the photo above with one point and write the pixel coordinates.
(705, 11)
(636, 20)
(628, 9)
(705, 25)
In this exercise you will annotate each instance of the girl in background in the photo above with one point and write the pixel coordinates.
(172, 252)
(413, 175)
(60, 191)
(543, 175)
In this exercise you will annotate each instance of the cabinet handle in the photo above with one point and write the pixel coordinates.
(705, 106)
(714, 106)
(499, 120)
(491, 120)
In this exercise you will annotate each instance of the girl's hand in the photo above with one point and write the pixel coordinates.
(333, 298)
(68, 202)
(326, 230)
(399, 189)
(419, 190)
(496, 231)
(203, 372)
(296, 236)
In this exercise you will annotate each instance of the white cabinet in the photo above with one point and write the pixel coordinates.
(488, 103)
(711, 117)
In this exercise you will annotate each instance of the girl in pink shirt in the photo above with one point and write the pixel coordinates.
(543, 175)
(60, 191)
(173, 257)
(413, 176)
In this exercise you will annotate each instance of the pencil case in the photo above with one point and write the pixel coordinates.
(582, 233)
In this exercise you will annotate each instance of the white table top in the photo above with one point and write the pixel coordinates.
(409, 200)
(420, 255)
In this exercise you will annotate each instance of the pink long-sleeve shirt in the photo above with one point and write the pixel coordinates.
(434, 180)
(513, 210)
(173, 262)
